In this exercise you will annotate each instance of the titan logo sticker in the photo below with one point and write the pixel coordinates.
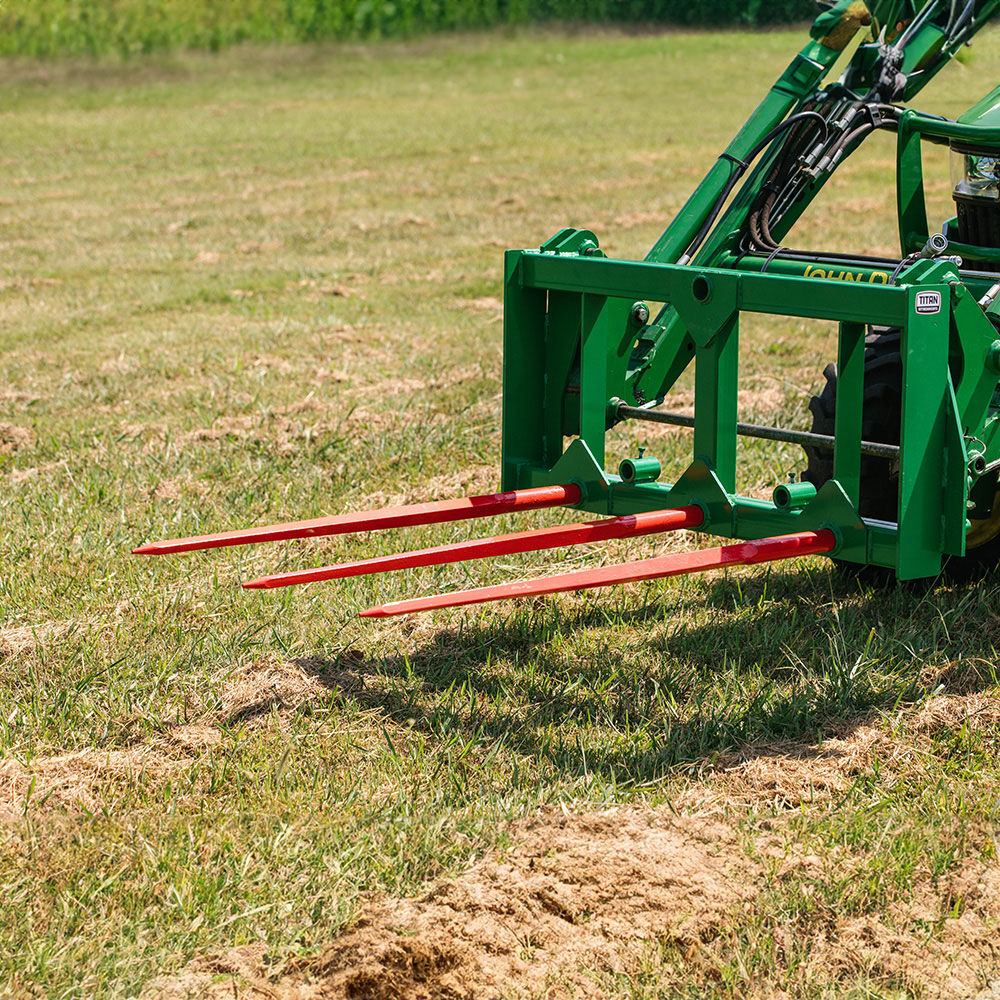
(873, 278)
(928, 302)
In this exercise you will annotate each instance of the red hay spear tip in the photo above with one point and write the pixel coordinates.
(629, 526)
(744, 553)
(434, 512)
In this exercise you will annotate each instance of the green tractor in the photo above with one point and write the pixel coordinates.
(903, 454)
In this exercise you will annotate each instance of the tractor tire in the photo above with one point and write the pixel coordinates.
(880, 412)
(880, 418)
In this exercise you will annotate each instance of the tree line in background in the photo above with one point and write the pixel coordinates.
(73, 27)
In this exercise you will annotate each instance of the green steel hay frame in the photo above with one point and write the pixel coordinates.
(577, 346)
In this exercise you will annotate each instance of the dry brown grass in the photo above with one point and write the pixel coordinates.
(88, 779)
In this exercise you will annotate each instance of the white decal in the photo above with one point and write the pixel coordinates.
(928, 302)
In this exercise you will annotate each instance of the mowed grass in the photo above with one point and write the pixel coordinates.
(265, 285)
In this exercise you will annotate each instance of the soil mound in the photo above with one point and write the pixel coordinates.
(581, 897)
(577, 896)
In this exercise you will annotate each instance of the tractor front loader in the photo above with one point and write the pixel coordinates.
(903, 454)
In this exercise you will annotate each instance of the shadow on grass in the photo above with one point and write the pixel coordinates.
(748, 659)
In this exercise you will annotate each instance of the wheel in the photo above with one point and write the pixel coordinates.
(880, 415)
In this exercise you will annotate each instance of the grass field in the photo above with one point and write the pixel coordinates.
(265, 285)
(59, 28)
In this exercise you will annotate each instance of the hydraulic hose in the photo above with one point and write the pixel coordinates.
(783, 186)
(739, 169)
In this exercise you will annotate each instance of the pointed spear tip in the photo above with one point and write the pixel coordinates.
(261, 583)
(379, 612)
(433, 512)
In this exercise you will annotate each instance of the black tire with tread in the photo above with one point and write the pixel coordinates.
(881, 407)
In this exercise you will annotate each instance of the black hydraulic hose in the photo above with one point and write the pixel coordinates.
(859, 133)
(757, 221)
(827, 162)
(760, 222)
(780, 176)
(740, 167)
(764, 222)
(706, 226)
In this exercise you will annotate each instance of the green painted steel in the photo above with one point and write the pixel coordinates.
(579, 339)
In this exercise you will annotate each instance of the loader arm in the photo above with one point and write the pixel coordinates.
(900, 51)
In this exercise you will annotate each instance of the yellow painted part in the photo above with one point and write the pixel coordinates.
(985, 530)
(856, 16)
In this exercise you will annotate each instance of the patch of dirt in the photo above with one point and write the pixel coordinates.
(766, 398)
(866, 207)
(314, 290)
(268, 691)
(335, 375)
(25, 284)
(470, 481)
(584, 896)
(383, 222)
(246, 965)
(16, 397)
(175, 489)
(81, 779)
(631, 219)
(23, 475)
(787, 775)
(959, 676)
(977, 712)
(149, 432)
(272, 364)
(20, 639)
(194, 737)
(397, 385)
(488, 304)
(271, 687)
(120, 365)
(577, 893)
(282, 430)
(948, 963)
(13, 438)
(257, 247)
